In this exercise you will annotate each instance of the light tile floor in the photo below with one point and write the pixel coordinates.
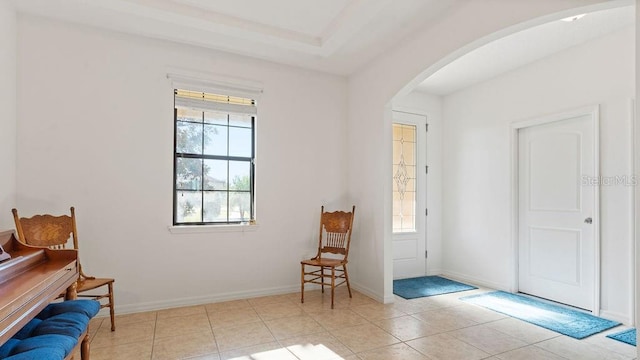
(280, 327)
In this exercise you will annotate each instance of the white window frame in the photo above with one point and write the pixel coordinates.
(217, 84)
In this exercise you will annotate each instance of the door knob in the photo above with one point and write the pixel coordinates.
(588, 220)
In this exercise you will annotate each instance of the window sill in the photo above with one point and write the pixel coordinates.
(200, 229)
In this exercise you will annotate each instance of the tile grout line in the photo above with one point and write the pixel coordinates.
(215, 340)
(153, 338)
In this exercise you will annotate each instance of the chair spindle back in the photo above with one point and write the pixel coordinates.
(47, 230)
(335, 232)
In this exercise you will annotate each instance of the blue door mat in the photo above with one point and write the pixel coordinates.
(561, 319)
(427, 286)
(627, 336)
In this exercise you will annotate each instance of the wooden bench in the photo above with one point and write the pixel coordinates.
(54, 334)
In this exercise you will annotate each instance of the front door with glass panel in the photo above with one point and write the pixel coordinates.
(409, 185)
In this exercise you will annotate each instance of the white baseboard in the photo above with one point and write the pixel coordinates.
(616, 316)
(199, 300)
(207, 299)
(474, 281)
(372, 294)
(432, 272)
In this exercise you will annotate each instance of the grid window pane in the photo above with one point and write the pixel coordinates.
(240, 175)
(188, 174)
(216, 176)
(240, 120)
(188, 138)
(240, 142)
(188, 206)
(215, 206)
(215, 140)
(239, 209)
(189, 115)
(217, 118)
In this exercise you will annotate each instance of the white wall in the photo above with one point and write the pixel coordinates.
(636, 169)
(431, 106)
(8, 33)
(96, 132)
(127, 210)
(396, 73)
(477, 166)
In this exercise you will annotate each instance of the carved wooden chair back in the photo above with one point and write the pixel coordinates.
(335, 232)
(54, 232)
(47, 230)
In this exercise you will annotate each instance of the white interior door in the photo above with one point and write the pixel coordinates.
(557, 213)
(409, 189)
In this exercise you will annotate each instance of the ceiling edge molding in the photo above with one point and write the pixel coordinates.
(209, 21)
(356, 15)
(352, 19)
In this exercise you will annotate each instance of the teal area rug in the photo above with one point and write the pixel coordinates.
(557, 318)
(427, 286)
(627, 336)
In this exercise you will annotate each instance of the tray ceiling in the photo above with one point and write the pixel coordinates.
(336, 36)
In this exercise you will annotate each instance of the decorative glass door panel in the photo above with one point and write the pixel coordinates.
(404, 178)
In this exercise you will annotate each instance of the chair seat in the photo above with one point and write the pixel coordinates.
(324, 262)
(90, 284)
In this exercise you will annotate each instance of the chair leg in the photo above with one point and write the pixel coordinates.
(346, 277)
(111, 308)
(72, 292)
(84, 348)
(302, 284)
(333, 283)
(322, 278)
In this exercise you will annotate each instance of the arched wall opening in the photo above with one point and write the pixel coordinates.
(381, 250)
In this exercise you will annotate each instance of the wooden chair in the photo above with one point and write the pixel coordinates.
(54, 232)
(334, 238)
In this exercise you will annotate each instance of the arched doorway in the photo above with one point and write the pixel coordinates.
(503, 232)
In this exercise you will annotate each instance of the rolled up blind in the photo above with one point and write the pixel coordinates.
(214, 102)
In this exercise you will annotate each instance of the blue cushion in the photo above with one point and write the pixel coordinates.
(26, 331)
(7, 347)
(37, 354)
(87, 307)
(69, 324)
(53, 333)
(58, 345)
